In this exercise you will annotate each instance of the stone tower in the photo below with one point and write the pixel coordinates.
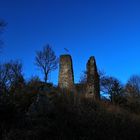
(93, 82)
(66, 77)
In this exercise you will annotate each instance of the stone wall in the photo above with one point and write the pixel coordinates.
(93, 82)
(66, 76)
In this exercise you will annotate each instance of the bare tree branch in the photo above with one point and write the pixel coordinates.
(46, 60)
(133, 86)
(10, 75)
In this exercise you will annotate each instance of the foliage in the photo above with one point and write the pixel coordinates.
(133, 86)
(50, 115)
(108, 85)
(36, 110)
(113, 87)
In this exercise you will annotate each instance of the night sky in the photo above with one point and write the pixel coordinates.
(107, 29)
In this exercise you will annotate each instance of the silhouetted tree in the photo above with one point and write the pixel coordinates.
(11, 75)
(133, 86)
(111, 86)
(46, 60)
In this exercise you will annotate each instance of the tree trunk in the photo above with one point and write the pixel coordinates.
(46, 76)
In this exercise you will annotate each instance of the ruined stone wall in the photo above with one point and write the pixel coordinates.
(66, 77)
(93, 82)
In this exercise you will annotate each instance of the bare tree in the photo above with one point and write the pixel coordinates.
(111, 86)
(83, 78)
(133, 86)
(11, 75)
(46, 60)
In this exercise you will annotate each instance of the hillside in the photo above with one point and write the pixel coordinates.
(34, 113)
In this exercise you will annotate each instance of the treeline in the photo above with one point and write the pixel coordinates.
(39, 111)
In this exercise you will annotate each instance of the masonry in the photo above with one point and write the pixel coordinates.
(66, 76)
(93, 82)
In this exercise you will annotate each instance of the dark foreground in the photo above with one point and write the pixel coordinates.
(43, 116)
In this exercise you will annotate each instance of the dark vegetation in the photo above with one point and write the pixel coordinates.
(37, 110)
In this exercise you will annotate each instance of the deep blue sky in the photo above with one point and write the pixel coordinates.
(107, 29)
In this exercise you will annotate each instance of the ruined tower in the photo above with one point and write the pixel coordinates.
(93, 82)
(66, 78)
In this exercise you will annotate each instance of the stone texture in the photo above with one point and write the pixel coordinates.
(93, 82)
(66, 78)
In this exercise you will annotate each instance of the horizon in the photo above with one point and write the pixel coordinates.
(108, 30)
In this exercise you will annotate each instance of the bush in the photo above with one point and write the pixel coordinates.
(64, 117)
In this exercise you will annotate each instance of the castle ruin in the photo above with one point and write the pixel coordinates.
(93, 82)
(66, 77)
